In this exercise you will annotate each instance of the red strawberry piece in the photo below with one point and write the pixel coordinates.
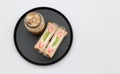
(50, 29)
(41, 44)
(50, 50)
(59, 34)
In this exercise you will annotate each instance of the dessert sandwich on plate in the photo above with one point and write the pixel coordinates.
(43, 36)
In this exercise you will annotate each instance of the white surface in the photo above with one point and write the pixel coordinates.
(96, 45)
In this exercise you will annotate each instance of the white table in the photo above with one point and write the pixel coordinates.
(96, 44)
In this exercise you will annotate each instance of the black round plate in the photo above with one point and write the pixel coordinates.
(25, 41)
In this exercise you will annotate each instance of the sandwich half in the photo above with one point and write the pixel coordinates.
(55, 42)
(46, 36)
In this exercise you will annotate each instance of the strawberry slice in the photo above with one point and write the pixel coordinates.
(50, 50)
(59, 34)
(41, 44)
(50, 29)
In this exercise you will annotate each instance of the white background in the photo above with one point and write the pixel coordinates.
(96, 44)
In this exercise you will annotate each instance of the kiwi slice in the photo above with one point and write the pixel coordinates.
(55, 42)
(45, 36)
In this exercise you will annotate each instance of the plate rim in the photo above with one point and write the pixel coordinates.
(16, 26)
